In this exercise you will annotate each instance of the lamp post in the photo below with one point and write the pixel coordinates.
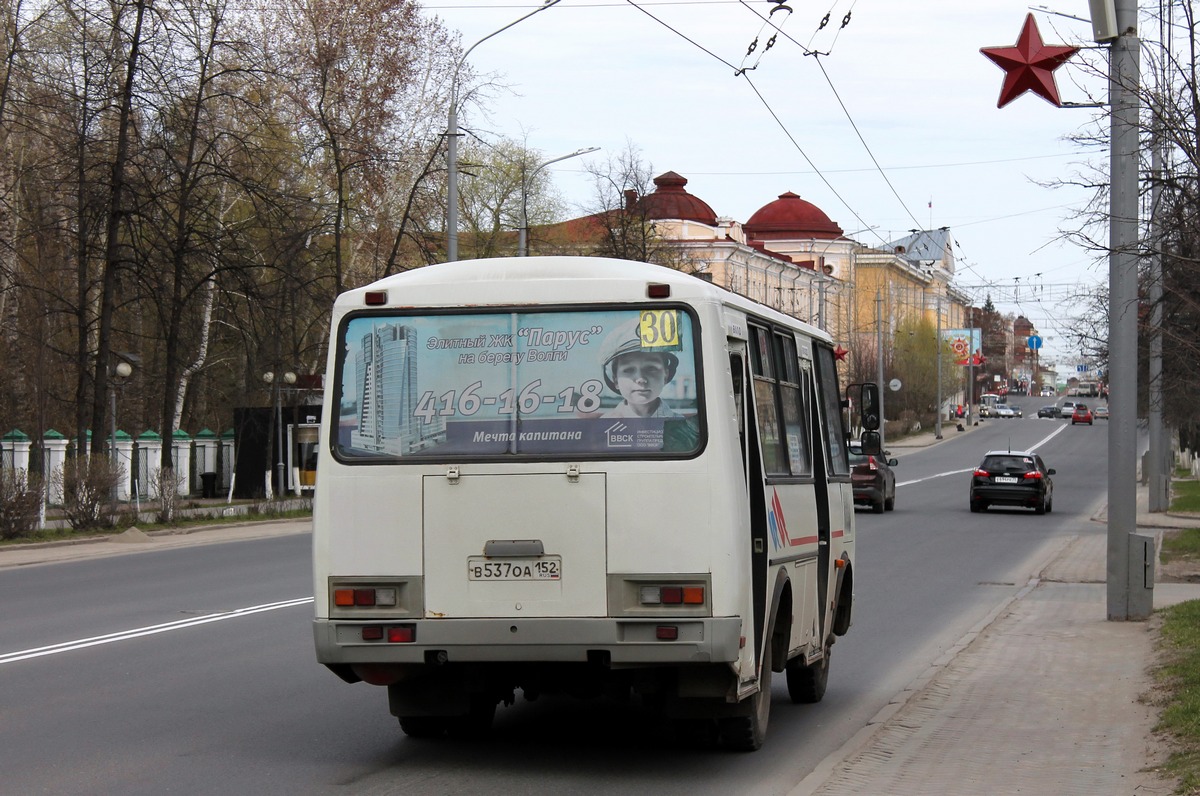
(522, 241)
(121, 371)
(452, 138)
(288, 378)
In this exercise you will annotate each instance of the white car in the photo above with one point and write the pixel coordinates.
(1002, 410)
(1067, 409)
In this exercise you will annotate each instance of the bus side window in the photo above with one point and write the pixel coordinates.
(737, 371)
(794, 426)
(835, 432)
(770, 431)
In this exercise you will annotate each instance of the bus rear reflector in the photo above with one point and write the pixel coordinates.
(656, 290)
(666, 633)
(374, 298)
(372, 633)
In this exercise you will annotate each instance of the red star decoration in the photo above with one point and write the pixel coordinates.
(839, 354)
(1029, 65)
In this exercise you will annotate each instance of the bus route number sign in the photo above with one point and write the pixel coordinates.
(659, 330)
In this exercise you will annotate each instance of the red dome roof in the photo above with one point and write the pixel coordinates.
(670, 200)
(789, 216)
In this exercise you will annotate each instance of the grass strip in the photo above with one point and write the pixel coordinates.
(1179, 674)
(1185, 495)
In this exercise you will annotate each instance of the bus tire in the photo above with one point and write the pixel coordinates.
(747, 733)
(477, 722)
(806, 683)
(423, 726)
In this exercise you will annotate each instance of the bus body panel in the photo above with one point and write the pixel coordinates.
(507, 566)
(544, 520)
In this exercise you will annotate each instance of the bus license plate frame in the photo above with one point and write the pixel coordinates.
(508, 570)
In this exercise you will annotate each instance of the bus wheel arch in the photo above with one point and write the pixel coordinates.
(844, 605)
(747, 731)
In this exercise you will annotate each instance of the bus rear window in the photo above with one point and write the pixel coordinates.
(595, 383)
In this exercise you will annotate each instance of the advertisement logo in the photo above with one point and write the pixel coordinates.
(619, 435)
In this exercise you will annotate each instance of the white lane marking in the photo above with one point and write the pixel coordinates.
(1039, 444)
(125, 635)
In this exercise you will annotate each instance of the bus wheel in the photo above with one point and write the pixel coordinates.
(806, 684)
(747, 733)
(423, 726)
(477, 722)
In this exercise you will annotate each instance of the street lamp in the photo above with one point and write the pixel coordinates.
(288, 378)
(522, 245)
(120, 373)
(452, 139)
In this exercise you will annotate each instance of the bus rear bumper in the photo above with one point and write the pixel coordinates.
(624, 642)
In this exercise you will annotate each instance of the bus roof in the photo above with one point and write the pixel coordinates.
(503, 281)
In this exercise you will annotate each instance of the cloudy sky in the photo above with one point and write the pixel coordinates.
(894, 126)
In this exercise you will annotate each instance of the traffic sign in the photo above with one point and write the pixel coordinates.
(1035, 342)
(1082, 368)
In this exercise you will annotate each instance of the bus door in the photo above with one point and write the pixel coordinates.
(753, 475)
(832, 471)
(824, 509)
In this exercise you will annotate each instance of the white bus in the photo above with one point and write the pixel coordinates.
(583, 476)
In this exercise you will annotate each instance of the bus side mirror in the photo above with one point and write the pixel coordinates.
(869, 404)
(871, 444)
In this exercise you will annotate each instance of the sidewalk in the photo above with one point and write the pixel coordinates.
(134, 541)
(1041, 697)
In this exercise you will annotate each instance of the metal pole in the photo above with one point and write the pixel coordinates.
(452, 139)
(279, 438)
(522, 244)
(937, 425)
(879, 363)
(971, 367)
(112, 450)
(1158, 475)
(1123, 570)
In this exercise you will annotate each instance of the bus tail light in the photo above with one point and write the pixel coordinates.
(347, 597)
(355, 598)
(671, 595)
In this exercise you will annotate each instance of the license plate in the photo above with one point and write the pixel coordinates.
(1007, 479)
(539, 568)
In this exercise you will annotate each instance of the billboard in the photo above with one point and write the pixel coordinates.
(963, 342)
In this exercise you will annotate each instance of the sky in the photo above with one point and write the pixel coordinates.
(895, 127)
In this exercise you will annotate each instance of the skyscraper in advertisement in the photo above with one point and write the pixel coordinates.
(385, 368)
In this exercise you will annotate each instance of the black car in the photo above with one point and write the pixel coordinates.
(873, 480)
(1048, 411)
(1012, 478)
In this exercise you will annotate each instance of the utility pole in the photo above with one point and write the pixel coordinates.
(879, 362)
(1159, 457)
(971, 367)
(937, 424)
(1126, 573)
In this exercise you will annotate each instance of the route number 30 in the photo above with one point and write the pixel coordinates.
(659, 330)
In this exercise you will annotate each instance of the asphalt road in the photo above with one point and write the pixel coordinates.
(190, 669)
